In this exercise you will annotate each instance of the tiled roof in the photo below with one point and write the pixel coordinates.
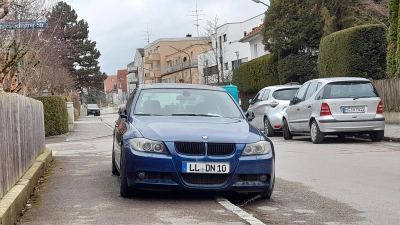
(252, 33)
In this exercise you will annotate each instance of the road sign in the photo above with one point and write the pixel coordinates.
(22, 25)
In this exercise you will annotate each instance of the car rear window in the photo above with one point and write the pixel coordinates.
(350, 89)
(284, 94)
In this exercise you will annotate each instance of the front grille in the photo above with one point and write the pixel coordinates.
(190, 148)
(221, 149)
(205, 179)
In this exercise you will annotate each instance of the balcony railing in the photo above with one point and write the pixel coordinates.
(181, 66)
(132, 69)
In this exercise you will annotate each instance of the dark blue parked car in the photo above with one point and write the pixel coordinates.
(189, 137)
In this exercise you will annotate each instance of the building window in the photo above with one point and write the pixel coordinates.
(255, 51)
(225, 39)
(226, 66)
(112, 80)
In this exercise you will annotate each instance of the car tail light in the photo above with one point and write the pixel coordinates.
(274, 104)
(380, 108)
(325, 110)
(240, 99)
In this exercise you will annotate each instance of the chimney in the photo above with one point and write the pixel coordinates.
(188, 35)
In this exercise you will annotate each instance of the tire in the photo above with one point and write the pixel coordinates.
(114, 169)
(124, 190)
(268, 129)
(317, 137)
(287, 135)
(377, 136)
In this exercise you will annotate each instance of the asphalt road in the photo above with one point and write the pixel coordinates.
(347, 182)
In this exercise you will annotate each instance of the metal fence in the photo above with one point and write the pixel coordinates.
(389, 90)
(22, 137)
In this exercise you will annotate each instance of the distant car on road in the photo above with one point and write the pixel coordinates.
(93, 109)
(205, 144)
(335, 106)
(268, 107)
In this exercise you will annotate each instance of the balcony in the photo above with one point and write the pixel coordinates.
(132, 69)
(180, 67)
(154, 57)
(155, 73)
(147, 60)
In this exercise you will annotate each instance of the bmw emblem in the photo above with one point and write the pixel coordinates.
(204, 137)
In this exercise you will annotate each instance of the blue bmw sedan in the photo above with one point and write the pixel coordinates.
(189, 137)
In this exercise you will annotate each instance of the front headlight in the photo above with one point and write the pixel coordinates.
(146, 145)
(258, 148)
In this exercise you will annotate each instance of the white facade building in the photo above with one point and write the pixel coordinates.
(254, 38)
(228, 49)
(135, 74)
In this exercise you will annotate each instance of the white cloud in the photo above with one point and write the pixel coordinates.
(119, 26)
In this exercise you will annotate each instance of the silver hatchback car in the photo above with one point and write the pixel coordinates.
(335, 106)
(267, 107)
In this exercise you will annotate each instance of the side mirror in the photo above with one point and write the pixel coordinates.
(122, 112)
(250, 116)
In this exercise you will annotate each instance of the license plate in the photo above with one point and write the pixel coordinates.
(197, 167)
(353, 109)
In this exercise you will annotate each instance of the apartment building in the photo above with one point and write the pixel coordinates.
(228, 51)
(174, 60)
(135, 71)
(254, 38)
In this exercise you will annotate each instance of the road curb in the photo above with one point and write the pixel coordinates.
(12, 204)
(393, 139)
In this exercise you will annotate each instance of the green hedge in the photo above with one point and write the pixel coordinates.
(55, 114)
(392, 38)
(254, 75)
(354, 52)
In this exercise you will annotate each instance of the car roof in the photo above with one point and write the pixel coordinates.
(276, 87)
(333, 79)
(179, 85)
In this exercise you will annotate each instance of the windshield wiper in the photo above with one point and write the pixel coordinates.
(197, 114)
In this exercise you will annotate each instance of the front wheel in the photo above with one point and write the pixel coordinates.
(287, 135)
(124, 189)
(377, 136)
(114, 169)
(317, 137)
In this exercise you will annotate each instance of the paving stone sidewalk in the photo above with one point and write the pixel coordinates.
(89, 127)
(392, 132)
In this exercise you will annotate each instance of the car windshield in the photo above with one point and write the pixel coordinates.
(284, 94)
(186, 102)
(92, 106)
(349, 89)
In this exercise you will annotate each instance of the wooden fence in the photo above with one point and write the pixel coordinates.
(22, 137)
(389, 90)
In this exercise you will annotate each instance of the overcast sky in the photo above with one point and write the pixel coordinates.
(119, 26)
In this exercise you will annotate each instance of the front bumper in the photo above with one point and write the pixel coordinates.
(163, 172)
(334, 126)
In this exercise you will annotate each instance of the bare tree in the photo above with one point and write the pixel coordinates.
(212, 58)
(377, 11)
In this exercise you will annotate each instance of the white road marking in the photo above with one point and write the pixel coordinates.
(238, 211)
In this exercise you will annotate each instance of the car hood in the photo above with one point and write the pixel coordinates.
(189, 128)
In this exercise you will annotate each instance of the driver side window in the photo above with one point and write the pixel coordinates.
(299, 97)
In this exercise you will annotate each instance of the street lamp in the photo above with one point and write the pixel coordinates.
(258, 1)
(237, 59)
(190, 63)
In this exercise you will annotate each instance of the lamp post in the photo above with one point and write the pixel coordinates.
(258, 1)
(237, 59)
(190, 63)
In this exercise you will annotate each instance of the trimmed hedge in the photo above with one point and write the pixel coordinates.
(256, 74)
(55, 114)
(354, 52)
(392, 49)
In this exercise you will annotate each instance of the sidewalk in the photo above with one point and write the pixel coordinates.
(392, 132)
(89, 127)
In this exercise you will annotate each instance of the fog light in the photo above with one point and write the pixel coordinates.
(263, 178)
(141, 175)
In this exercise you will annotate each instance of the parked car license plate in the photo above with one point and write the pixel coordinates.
(200, 167)
(353, 109)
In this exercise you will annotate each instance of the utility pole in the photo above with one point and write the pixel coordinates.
(197, 18)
